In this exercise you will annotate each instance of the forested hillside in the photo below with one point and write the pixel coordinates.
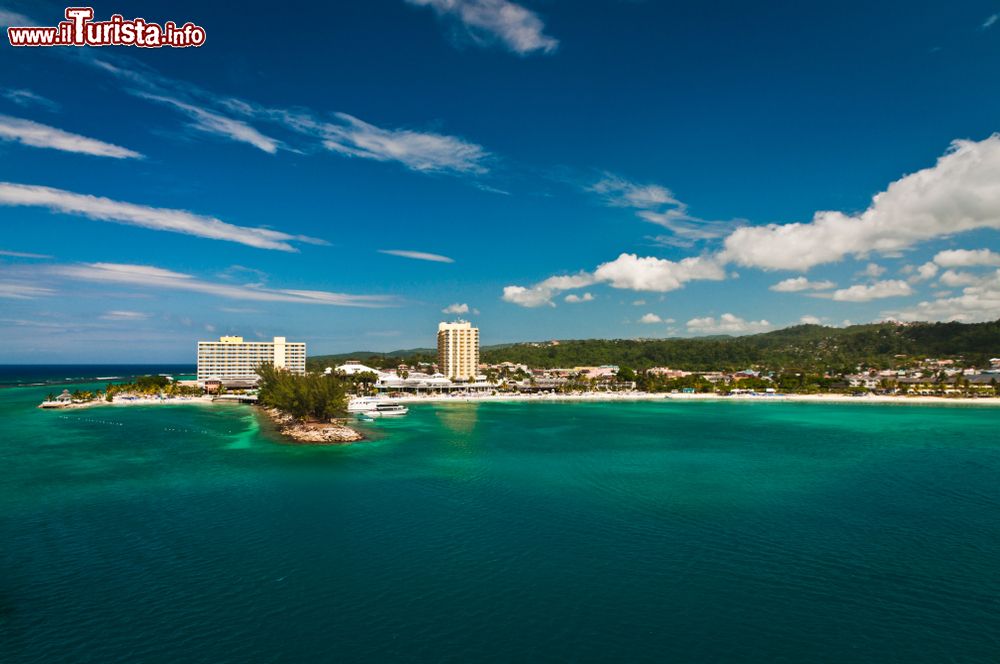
(805, 347)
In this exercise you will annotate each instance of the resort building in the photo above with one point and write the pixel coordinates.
(231, 361)
(458, 350)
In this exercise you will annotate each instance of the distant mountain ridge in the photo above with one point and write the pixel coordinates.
(806, 347)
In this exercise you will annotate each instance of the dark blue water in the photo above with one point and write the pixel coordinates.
(677, 532)
(55, 374)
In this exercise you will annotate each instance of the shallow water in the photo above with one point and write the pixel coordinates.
(564, 531)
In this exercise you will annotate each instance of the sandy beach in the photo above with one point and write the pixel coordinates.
(648, 396)
(594, 397)
(138, 401)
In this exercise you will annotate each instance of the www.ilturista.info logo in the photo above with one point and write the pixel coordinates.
(79, 29)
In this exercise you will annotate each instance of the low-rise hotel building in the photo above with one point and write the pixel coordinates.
(231, 360)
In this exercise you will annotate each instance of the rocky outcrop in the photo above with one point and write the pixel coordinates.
(312, 433)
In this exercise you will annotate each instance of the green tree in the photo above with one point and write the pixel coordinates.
(310, 396)
(626, 374)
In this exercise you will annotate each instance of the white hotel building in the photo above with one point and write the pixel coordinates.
(233, 360)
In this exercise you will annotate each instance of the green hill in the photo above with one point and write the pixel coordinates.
(803, 347)
(375, 358)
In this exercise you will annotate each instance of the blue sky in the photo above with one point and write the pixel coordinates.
(342, 174)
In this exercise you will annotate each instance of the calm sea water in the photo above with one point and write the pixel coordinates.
(678, 532)
(13, 375)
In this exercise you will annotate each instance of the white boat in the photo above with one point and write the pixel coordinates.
(362, 404)
(386, 409)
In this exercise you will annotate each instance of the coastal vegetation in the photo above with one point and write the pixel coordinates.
(150, 386)
(803, 348)
(140, 387)
(310, 396)
(813, 349)
(304, 406)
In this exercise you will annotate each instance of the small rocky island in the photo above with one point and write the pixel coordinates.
(310, 409)
(331, 432)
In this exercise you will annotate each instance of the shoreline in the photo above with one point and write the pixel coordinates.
(310, 433)
(600, 397)
(138, 401)
(289, 430)
(654, 396)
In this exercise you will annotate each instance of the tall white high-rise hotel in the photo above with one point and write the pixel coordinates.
(233, 359)
(458, 350)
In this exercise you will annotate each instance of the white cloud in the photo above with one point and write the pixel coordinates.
(959, 193)
(29, 98)
(345, 134)
(418, 151)
(9, 18)
(145, 276)
(527, 297)
(619, 192)
(211, 122)
(686, 229)
(629, 271)
(125, 315)
(638, 303)
(650, 319)
(726, 324)
(658, 205)
(518, 28)
(810, 320)
(977, 303)
(541, 294)
(967, 258)
(19, 291)
(925, 272)
(573, 298)
(456, 309)
(47, 325)
(796, 284)
(873, 270)
(953, 278)
(22, 254)
(161, 219)
(38, 135)
(417, 255)
(875, 291)
(250, 276)
(990, 20)
(421, 151)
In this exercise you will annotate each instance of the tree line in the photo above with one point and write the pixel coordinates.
(802, 348)
(310, 396)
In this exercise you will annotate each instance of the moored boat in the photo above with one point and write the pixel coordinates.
(362, 404)
(387, 409)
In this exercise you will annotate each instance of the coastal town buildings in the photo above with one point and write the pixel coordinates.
(603, 371)
(458, 350)
(667, 372)
(232, 362)
(411, 382)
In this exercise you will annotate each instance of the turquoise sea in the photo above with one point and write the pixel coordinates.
(667, 532)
